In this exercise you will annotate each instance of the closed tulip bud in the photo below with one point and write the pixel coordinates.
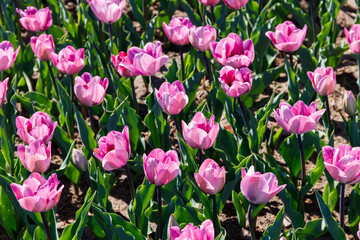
(287, 37)
(236, 4)
(178, 30)
(172, 98)
(172, 223)
(107, 11)
(161, 167)
(43, 46)
(259, 188)
(349, 103)
(79, 160)
(7, 55)
(353, 38)
(35, 20)
(38, 194)
(3, 90)
(205, 232)
(211, 178)
(323, 80)
(209, 2)
(201, 37)
(35, 157)
(69, 60)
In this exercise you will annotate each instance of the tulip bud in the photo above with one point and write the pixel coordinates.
(79, 160)
(349, 103)
(172, 223)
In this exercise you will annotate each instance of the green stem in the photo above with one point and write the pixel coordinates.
(328, 115)
(199, 156)
(144, 9)
(101, 36)
(110, 36)
(342, 207)
(131, 184)
(242, 107)
(303, 174)
(176, 124)
(71, 128)
(215, 217)
(133, 95)
(92, 124)
(251, 223)
(53, 80)
(212, 14)
(291, 60)
(208, 68)
(311, 3)
(182, 63)
(46, 226)
(158, 199)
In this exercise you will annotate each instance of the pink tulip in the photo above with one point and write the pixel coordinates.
(123, 71)
(35, 20)
(161, 167)
(39, 126)
(201, 37)
(343, 163)
(79, 160)
(358, 233)
(3, 90)
(259, 188)
(178, 30)
(200, 133)
(323, 80)
(299, 118)
(35, 157)
(147, 61)
(349, 103)
(172, 98)
(43, 46)
(211, 178)
(209, 2)
(114, 149)
(69, 60)
(205, 232)
(232, 51)
(90, 90)
(353, 38)
(7, 55)
(108, 11)
(38, 194)
(287, 37)
(235, 82)
(236, 4)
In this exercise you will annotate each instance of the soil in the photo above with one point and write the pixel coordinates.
(347, 73)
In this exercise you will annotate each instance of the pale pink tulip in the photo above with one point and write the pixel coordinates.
(178, 30)
(7, 55)
(161, 167)
(287, 37)
(107, 11)
(90, 90)
(79, 160)
(259, 188)
(69, 60)
(353, 38)
(172, 98)
(235, 82)
(233, 51)
(323, 80)
(201, 37)
(3, 90)
(236, 4)
(349, 103)
(35, 157)
(205, 232)
(200, 133)
(123, 71)
(343, 163)
(299, 118)
(38, 194)
(114, 149)
(39, 126)
(211, 178)
(43, 46)
(35, 20)
(147, 61)
(209, 2)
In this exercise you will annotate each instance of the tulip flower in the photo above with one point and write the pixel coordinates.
(323, 80)
(201, 37)
(287, 37)
(117, 60)
(349, 103)
(90, 90)
(205, 232)
(172, 98)
(7, 55)
(79, 160)
(236, 4)
(39, 126)
(43, 46)
(69, 60)
(343, 164)
(238, 53)
(3, 90)
(209, 2)
(108, 11)
(35, 157)
(114, 149)
(35, 20)
(178, 30)
(211, 178)
(353, 38)
(147, 61)
(38, 194)
(235, 82)
(358, 233)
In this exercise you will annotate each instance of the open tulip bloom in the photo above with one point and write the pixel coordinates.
(7, 55)
(353, 39)
(35, 20)
(35, 157)
(205, 232)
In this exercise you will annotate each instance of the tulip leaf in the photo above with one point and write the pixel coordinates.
(314, 175)
(226, 145)
(274, 230)
(312, 230)
(85, 132)
(7, 215)
(292, 82)
(354, 210)
(333, 227)
(39, 233)
(240, 210)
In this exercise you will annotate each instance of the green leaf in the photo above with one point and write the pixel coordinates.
(240, 211)
(314, 175)
(86, 134)
(274, 230)
(292, 82)
(312, 230)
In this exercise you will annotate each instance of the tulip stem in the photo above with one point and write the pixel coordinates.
(110, 37)
(7, 131)
(144, 9)
(242, 107)
(260, 6)
(158, 199)
(71, 128)
(133, 94)
(212, 14)
(176, 123)
(92, 124)
(182, 63)
(46, 226)
(101, 36)
(303, 170)
(131, 184)
(328, 115)
(199, 156)
(251, 223)
(215, 218)
(2, 16)
(53, 80)
(291, 60)
(312, 18)
(341, 204)
(208, 68)
(358, 62)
